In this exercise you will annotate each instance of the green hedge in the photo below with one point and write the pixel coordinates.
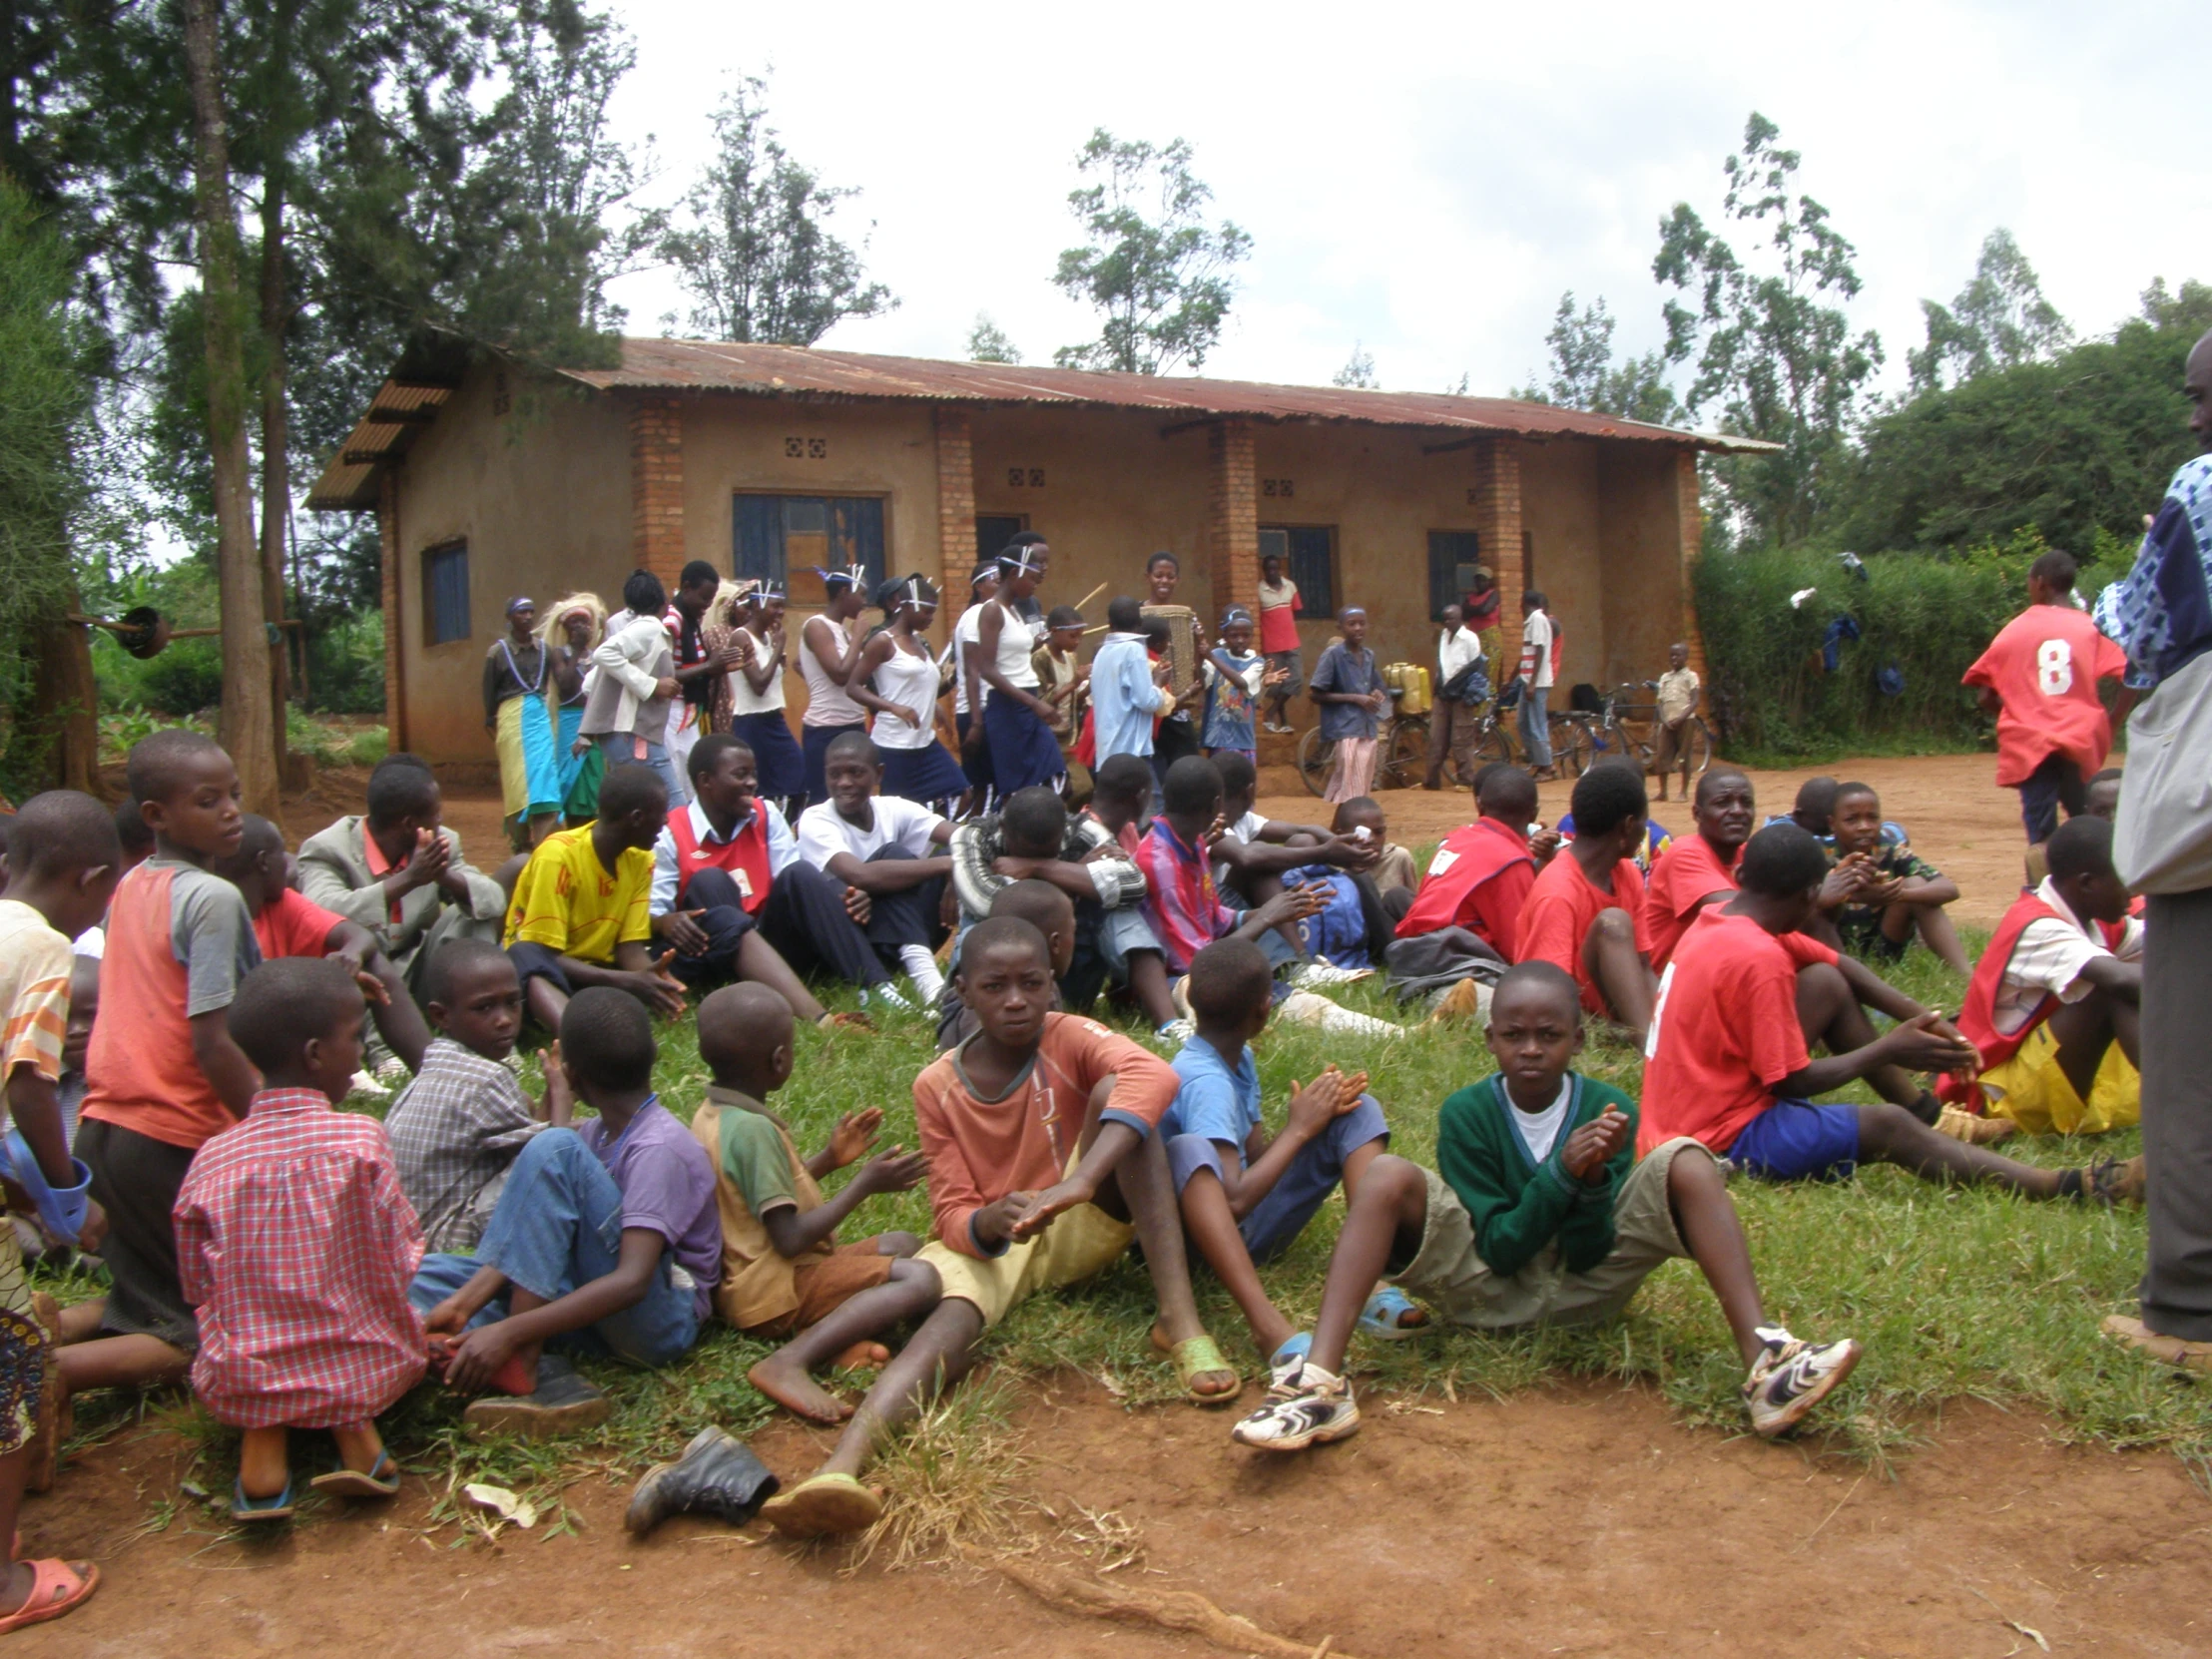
(1927, 615)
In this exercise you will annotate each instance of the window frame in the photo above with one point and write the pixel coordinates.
(1437, 599)
(435, 560)
(863, 503)
(1312, 606)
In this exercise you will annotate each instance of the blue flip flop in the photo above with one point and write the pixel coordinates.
(244, 1508)
(1385, 1313)
(380, 1481)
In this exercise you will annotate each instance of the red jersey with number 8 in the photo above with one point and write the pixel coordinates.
(2044, 666)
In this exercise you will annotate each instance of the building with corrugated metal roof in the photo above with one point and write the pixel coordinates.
(491, 479)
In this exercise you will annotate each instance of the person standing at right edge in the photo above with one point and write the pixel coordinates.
(2160, 614)
(1535, 679)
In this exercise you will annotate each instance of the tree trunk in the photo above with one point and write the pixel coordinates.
(245, 728)
(67, 699)
(276, 460)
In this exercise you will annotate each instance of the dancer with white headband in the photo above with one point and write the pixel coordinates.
(514, 712)
(757, 700)
(829, 653)
(897, 678)
(1017, 721)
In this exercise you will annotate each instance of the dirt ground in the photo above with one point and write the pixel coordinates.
(1583, 1520)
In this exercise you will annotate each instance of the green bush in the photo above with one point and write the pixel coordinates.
(345, 667)
(188, 676)
(1928, 616)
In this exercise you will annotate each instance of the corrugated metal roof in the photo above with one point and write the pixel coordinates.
(807, 372)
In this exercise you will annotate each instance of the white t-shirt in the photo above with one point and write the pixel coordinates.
(906, 824)
(1246, 829)
(1535, 636)
(1455, 649)
(2048, 959)
(744, 700)
(1539, 1131)
(966, 632)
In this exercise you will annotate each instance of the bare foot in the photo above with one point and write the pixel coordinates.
(862, 1356)
(791, 1387)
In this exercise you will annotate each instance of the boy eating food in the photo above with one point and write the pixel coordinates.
(1538, 1212)
(1885, 892)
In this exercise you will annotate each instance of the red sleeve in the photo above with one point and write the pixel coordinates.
(1628, 893)
(1984, 672)
(1805, 950)
(1769, 1015)
(2111, 660)
(1547, 931)
(954, 1193)
(1144, 1084)
(1495, 906)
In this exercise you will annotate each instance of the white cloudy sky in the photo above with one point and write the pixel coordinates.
(1426, 179)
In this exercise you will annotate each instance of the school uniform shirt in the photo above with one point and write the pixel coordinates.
(33, 993)
(1181, 901)
(757, 1171)
(1340, 669)
(454, 1134)
(568, 901)
(1214, 1098)
(668, 877)
(2044, 665)
(293, 926)
(1691, 870)
(966, 632)
(178, 942)
(1479, 879)
(1519, 1200)
(1725, 1029)
(1562, 905)
(2047, 960)
(1279, 608)
(1677, 695)
(297, 1245)
(1456, 650)
(980, 1150)
(668, 1187)
(897, 823)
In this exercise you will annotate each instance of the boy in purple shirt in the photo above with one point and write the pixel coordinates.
(544, 1254)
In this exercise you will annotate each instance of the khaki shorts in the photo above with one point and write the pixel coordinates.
(1081, 1244)
(1449, 1275)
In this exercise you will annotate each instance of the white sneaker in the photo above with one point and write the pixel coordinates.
(1790, 1377)
(1311, 1408)
(363, 1083)
(1308, 1008)
(1318, 972)
(885, 996)
(1176, 1031)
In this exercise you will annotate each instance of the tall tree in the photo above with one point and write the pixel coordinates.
(1151, 264)
(2000, 320)
(988, 342)
(1778, 353)
(1585, 376)
(1357, 371)
(247, 725)
(757, 256)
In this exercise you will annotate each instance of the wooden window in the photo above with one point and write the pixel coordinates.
(445, 593)
(778, 537)
(992, 532)
(1310, 559)
(1451, 562)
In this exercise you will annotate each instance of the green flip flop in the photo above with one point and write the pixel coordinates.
(1195, 1357)
(828, 1506)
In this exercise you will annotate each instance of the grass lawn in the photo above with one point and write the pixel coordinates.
(1954, 1293)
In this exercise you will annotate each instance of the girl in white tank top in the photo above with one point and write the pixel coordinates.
(897, 676)
(828, 703)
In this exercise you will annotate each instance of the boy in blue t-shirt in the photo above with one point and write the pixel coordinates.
(1538, 1213)
(1243, 1193)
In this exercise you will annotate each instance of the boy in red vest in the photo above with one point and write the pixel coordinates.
(1699, 869)
(1479, 877)
(2054, 1006)
(717, 865)
(2039, 678)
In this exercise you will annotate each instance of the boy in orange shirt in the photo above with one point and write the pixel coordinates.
(1044, 1167)
(1698, 870)
(1585, 912)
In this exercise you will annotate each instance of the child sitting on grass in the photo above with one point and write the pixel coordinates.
(297, 1246)
(1585, 913)
(545, 1272)
(1245, 1195)
(1885, 892)
(1538, 1213)
(1728, 1060)
(163, 1075)
(1044, 1167)
(61, 860)
(784, 1273)
(1051, 912)
(456, 1129)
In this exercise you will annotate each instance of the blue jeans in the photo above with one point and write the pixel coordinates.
(1535, 725)
(558, 1224)
(622, 746)
(1275, 1221)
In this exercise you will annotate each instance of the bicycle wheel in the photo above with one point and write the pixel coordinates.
(1697, 746)
(1491, 748)
(1572, 747)
(1405, 764)
(1315, 755)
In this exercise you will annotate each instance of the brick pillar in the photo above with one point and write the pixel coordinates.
(395, 621)
(656, 487)
(1689, 506)
(956, 506)
(1230, 543)
(1497, 528)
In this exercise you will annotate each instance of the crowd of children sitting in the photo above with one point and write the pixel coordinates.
(305, 1266)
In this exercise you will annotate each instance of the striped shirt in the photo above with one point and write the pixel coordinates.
(33, 993)
(1181, 902)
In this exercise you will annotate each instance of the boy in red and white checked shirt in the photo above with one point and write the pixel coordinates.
(297, 1247)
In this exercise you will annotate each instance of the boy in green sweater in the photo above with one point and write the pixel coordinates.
(1540, 1213)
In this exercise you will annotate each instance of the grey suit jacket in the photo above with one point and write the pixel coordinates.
(335, 873)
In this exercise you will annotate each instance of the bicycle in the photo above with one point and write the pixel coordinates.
(1400, 755)
(1695, 751)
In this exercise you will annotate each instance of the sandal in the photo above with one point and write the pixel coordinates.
(828, 1506)
(1384, 1315)
(57, 1587)
(379, 1479)
(244, 1508)
(1197, 1356)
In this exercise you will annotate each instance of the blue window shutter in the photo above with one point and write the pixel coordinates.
(1312, 567)
(759, 537)
(445, 594)
(861, 534)
(1452, 556)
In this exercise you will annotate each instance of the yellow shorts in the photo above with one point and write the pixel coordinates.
(2034, 1093)
(1080, 1244)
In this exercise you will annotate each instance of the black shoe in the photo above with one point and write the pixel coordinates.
(718, 1475)
(561, 1404)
